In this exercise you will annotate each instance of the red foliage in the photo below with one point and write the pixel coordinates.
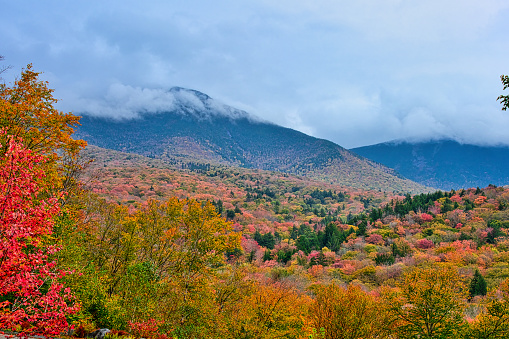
(146, 329)
(425, 217)
(424, 244)
(316, 271)
(33, 299)
(480, 200)
(456, 198)
(376, 239)
(249, 245)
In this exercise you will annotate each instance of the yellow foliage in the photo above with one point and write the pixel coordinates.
(267, 310)
(493, 320)
(347, 313)
(27, 112)
(157, 262)
(429, 303)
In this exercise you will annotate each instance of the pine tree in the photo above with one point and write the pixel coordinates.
(477, 285)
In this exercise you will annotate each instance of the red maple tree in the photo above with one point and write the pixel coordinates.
(31, 298)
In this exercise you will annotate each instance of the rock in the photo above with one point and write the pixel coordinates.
(99, 334)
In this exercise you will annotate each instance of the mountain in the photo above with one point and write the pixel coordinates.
(196, 128)
(444, 164)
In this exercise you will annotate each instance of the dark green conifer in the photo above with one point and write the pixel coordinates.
(478, 285)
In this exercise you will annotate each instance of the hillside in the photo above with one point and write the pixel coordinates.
(168, 248)
(198, 129)
(262, 197)
(296, 238)
(443, 164)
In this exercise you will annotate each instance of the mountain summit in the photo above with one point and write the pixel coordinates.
(201, 106)
(199, 129)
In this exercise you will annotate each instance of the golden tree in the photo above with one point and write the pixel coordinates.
(347, 313)
(428, 304)
(158, 262)
(27, 113)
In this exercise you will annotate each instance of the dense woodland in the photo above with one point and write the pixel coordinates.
(156, 250)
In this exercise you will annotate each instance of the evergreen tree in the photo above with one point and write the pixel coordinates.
(258, 237)
(277, 237)
(321, 259)
(302, 244)
(495, 231)
(331, 238)
(363, 226)
(477, 285)
(295, 233)
(230, 214)
(384, 259)
(267, 255)
(268, 240)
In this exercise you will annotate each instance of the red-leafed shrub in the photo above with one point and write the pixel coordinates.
(425, 217)
(33, 300)
(376, 239)
(424, 244)
(147, 329)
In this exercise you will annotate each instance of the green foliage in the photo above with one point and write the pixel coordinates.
(429, 304)
(495, 231)
(362, 227)
(176, 267)
(477, 285)
(266, 240)
(150, 264)
(384, 259)
(401, 248)
(401, 227)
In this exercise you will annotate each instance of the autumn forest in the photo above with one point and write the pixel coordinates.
(97, 238)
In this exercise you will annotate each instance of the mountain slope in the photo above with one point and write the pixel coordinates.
(443, 164)
(198, 129)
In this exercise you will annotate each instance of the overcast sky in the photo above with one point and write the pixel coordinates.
(355, 72)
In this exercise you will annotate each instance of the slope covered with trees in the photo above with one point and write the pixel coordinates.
(443, 164)
(152, 251)
(386, 251)
(202, 133)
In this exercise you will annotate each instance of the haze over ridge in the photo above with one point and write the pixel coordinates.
(356, 73)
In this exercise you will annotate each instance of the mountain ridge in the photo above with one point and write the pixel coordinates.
(236, 138)
(445, 164)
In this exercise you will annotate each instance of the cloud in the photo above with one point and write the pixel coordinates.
(294, 120)
(354, 72)
(358, 116)
(127, 102)
(421, 124)
(431, 20)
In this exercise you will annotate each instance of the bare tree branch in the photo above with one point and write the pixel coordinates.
(3, 68)
(504, 99)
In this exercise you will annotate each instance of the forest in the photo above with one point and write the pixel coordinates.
(93, 238)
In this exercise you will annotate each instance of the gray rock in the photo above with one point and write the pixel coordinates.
(99, 334)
